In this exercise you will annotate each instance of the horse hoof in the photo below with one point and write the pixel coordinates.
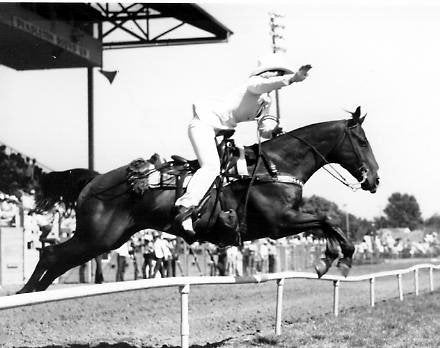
(344, 269)
(321, 268)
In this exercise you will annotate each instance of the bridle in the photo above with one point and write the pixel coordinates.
(334, 172)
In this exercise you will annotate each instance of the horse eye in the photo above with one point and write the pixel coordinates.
(363, 142)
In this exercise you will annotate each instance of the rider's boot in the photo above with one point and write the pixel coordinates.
(184, 222)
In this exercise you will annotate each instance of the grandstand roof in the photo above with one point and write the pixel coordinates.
(66, 35)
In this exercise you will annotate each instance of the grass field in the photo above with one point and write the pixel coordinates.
(413, 323)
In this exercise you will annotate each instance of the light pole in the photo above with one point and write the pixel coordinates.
(347, 221)
(276, 29)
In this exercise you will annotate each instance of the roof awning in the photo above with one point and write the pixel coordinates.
(155, 24)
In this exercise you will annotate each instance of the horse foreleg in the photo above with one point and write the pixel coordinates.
(294, 222)
(30, 285)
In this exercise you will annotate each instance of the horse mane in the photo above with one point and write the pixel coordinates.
(62, 188)
(306, 128)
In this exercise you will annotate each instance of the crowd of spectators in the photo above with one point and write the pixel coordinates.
(397, 243)
(152, 253)
(17, 172)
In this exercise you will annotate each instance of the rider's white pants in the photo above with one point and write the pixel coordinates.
(202, 136)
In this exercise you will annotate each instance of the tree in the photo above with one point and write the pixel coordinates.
(320, 206)
(403, 210)
(359, 227)
(433, 222)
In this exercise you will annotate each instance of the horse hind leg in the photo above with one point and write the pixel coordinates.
(58, 270)
(78, 251)
(33, 280)
(56, 260)
(44, 264)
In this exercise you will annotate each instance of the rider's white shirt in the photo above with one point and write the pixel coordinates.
(242, 105)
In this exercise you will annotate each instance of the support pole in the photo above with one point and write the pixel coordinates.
(416, 282)
(184, 317)
(336, 298)
(399, 286)
(277, 103)
(372, 297)
(90, 102)
(280, 285)
(431, 279)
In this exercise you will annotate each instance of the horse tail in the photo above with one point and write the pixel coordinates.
(62, 187)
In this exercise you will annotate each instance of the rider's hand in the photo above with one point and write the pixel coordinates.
(301, 74)
(277, 131)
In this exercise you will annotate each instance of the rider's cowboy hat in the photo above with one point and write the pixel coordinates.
(272, 62)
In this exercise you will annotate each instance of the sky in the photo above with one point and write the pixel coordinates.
(383, 56)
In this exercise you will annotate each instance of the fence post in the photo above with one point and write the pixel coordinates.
(184, 320)
(416, 281)
(372, 298)
(279, 309)
(336, 297)
(399, 286)
(431, 279)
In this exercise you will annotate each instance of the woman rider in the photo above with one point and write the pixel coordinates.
(250, 102)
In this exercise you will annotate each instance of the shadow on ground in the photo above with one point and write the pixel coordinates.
(129, 345)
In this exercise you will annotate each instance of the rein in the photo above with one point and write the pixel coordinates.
(335, 173)
(243, 225)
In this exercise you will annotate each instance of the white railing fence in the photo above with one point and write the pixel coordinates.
(184, 283)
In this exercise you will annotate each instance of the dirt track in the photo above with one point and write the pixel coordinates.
(219, 315)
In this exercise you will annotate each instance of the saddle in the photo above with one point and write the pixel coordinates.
(153, 173)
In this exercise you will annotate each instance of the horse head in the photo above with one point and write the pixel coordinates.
(354, 153)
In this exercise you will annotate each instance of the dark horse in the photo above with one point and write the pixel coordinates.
(108, 213)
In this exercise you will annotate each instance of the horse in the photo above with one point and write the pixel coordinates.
(108, 213)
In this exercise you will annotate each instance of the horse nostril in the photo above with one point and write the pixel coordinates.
(377, 181)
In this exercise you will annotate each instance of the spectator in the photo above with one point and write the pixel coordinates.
(263, 256)
(252, 257)
(122, 255)
(272, 250)
(211, 249)
(148, 254)
(172, 244)
(232, 260)
(160, 252)
(167, 258)
(222, 261)
(136, 254)
(9, 211)
(29, 171)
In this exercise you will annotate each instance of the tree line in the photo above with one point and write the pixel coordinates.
(402, 210)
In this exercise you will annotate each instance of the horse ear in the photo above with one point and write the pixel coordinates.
(362, 119)
(357, 114)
